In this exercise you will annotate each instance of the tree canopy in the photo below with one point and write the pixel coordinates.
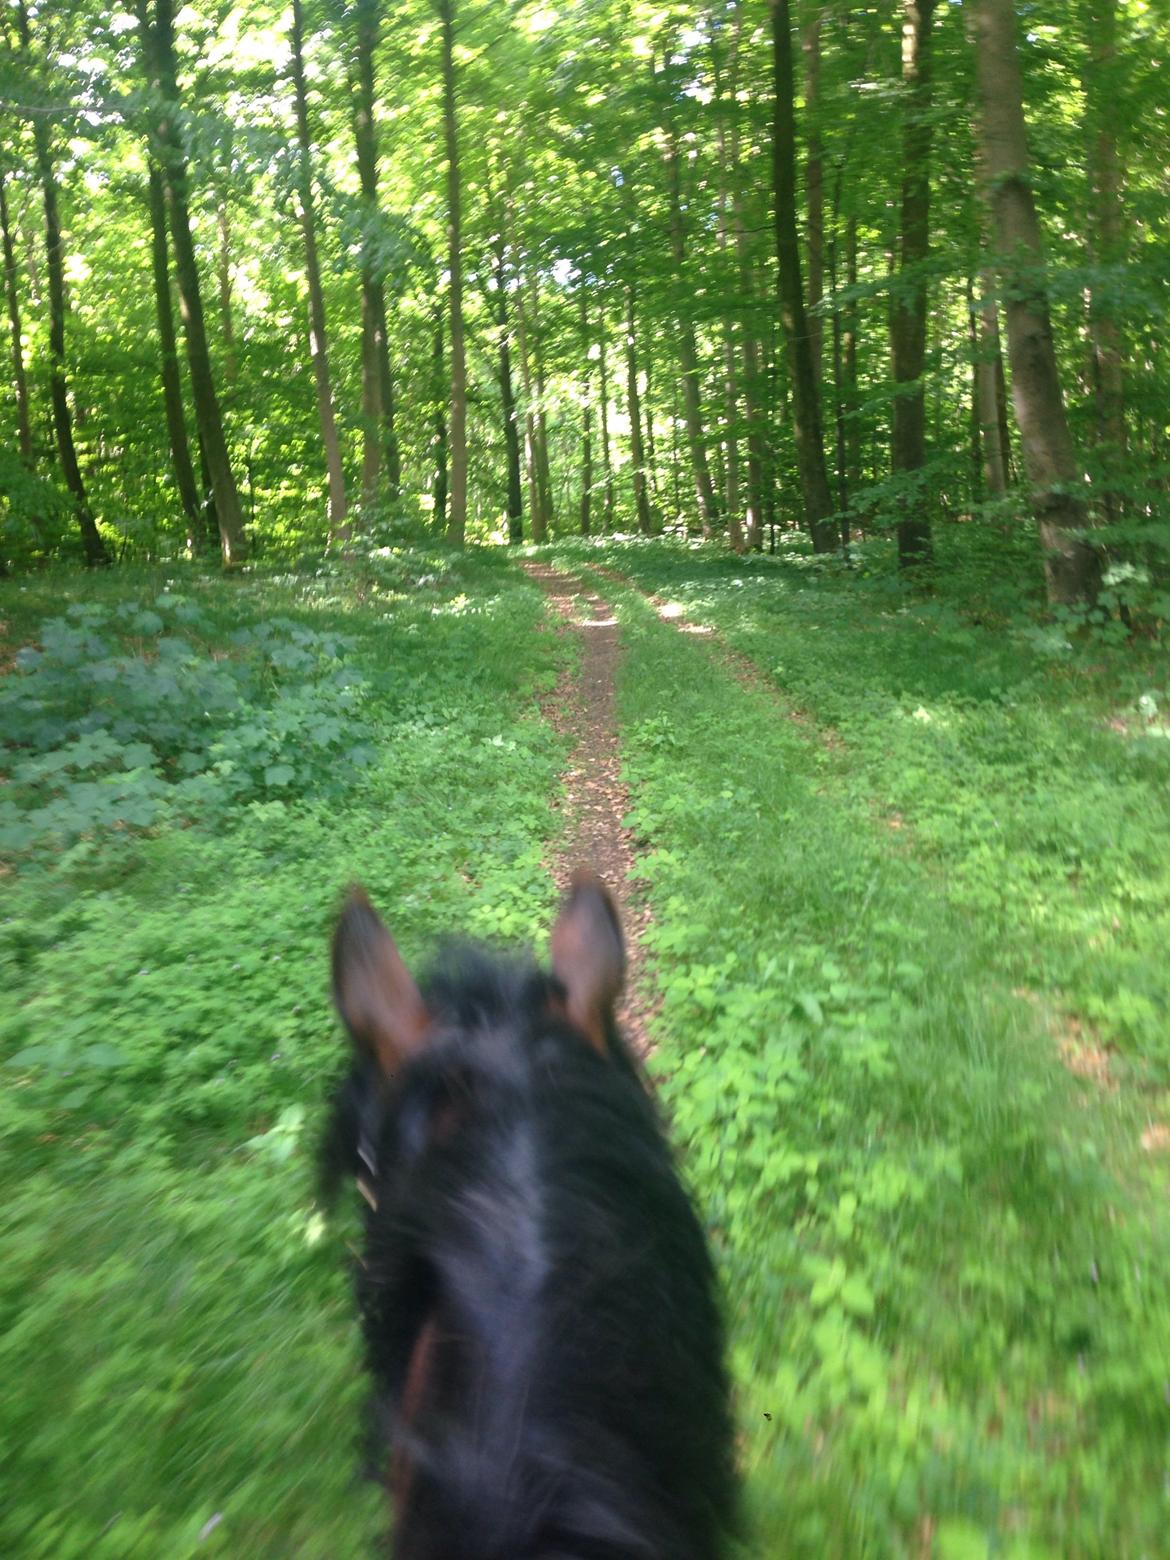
(731, 268)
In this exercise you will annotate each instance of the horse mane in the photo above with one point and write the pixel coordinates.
(530, 1224)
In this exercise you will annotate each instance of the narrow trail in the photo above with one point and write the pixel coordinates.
(581, 707)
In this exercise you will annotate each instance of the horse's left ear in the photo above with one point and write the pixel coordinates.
(374, 991)
(589, 956)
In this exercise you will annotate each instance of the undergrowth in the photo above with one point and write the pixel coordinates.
(196, 767)
(892, 877)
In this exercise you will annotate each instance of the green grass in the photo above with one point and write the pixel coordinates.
(948, 1260)
(888, 879)
(179, 1353)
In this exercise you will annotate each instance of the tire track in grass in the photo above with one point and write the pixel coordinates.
(1075, 1043)
(581, 707)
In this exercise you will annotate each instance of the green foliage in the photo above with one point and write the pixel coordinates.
(121, 718)
(891, 885)
(178, 1342)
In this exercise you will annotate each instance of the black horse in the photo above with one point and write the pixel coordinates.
(536, 1294)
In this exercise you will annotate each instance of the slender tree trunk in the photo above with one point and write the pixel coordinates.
(748, 532)
(366, 21)
(391, 454)
(12, 296)
(586, 418)
(318, 337)
(535, 498)
(814, 187)
(990, 409)
(1072, 567)
(606, 457)
(172, 384)
(753, 378)
(705, 501)
(223, 270)
(806, 402)
(727, 174)
(637, 449)
(849, 367)
(159, 50)
(543, 474)
(508, 392)
(379, 440)
(92, 544)
(440, 440)
(909, 312)
(19, 379)
(457, 520)
(1108, 237)
(839, 422)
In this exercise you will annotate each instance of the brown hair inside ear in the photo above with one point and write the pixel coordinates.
(374, 992)
(589, 957)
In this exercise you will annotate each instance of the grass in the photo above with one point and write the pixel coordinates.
(179, 1350)
(889, 878)
(893, 873)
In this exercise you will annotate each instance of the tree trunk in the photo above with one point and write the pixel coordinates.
(223, 270)
(753, 381)
(159, 52)
(814, 187)
(92, 544)
(172, 384)
(318, 338)
(806, 403)
(457, 521)
(535, 498)
(606, 457)
(728, 150)
(379, 440)
(543, 474)
(586, 419)
(705, 500)
(989, 398)
(12, 295)
(908, 314)
(637, 450)
(508, 393)
(391, 454)
(1108, 239)
(849, 367)
(19, 379)
(1072, 567)
(439, 511)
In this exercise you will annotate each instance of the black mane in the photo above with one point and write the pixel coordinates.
(528, 1210)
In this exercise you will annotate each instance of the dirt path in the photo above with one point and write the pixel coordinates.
(596, 801)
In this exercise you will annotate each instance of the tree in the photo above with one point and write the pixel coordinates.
(318, 337)
(1107, 231)
(379, 444)
(172, 386)
(92, 544)
(806, 401)
(158, 41)
(908, 312)
(1071, 565)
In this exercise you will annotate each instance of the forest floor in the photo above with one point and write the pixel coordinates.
(899, 873)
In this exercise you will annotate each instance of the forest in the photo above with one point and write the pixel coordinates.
(728, 444)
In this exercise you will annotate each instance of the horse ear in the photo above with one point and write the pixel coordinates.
(589, 956)
(373, 990)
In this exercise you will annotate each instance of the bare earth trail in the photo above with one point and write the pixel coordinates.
(581, 707)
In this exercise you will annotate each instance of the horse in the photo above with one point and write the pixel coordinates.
(538, 1303)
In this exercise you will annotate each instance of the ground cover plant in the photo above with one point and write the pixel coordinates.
(894, 877)
(179, 1362)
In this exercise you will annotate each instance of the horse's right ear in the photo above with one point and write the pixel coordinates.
(373, 990)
